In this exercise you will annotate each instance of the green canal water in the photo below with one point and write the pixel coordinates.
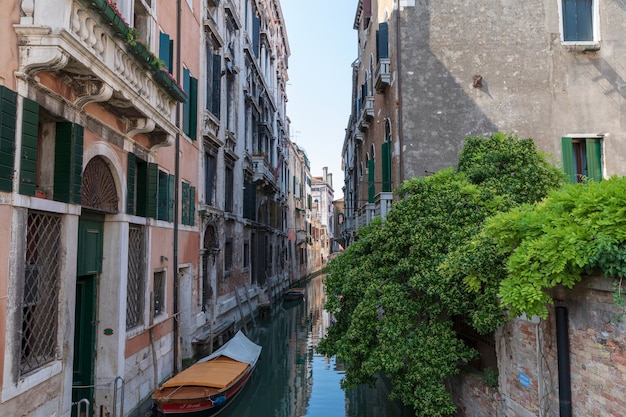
(292, 380)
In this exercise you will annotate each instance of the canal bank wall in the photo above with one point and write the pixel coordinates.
(240, 308)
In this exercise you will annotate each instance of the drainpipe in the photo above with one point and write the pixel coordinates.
(176, 188)
(398, 56)
(562, 346)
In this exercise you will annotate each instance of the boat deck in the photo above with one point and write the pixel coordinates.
(202, 379)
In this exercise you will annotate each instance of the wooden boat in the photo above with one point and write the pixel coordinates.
(208, 386)
(294, 294)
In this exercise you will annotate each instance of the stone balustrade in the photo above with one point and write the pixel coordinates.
(76, 43)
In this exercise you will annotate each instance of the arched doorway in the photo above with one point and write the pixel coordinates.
(98, 197)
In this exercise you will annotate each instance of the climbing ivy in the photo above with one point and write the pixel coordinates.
(574, 231)
(394, 292)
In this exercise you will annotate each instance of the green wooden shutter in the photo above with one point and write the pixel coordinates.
(28, 159)
(594, 158)
(382, 41)
(578, 20)
(90, 247)
(188, 203)
(141, 208)
(192, 204)
(8, 112)
(186, 105)
(131, 178)
(163, 200)
(166, 50)
(567, 150)
(185, 203)
(584, 13)
(371, 189)
(152, 190)
(193, 107)
(170, 193)
(68, 162)
(147, 189)
(386, 165)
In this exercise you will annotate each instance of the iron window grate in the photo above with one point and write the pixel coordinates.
(40, 291)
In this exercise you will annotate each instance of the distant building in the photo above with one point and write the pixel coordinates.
(301, 260)
(339, 219)
(322, 195)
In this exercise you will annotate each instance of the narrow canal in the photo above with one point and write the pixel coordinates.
(292, 380)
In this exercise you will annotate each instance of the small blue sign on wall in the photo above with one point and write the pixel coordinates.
(524, 380)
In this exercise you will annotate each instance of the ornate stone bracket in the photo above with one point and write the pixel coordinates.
(143, 125)
(160, 138)
(90, 91)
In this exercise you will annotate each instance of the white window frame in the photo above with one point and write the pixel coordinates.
(595, 22)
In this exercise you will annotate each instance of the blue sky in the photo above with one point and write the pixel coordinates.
(323, 46)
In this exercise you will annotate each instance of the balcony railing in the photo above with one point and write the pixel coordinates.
(366, 112)
(379, 208)
(87, 42)
(382, 204)
(382, 74)
(301, 236)
(262, 170)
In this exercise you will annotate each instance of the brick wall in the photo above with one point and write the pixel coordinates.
(528, 365)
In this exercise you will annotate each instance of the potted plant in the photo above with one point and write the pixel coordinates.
(41, 193)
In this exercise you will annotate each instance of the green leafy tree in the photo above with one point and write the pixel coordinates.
(394, 291)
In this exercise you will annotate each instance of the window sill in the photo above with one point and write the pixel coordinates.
(32, 379)
(582, 46)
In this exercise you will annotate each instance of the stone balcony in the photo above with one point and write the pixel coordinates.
(77, 43)
(366, 113)
(262, 171)
(301, 236)
(382, 74)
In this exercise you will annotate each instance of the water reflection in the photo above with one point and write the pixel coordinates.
(292, 380)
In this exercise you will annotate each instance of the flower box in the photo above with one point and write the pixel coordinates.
(41, 194)
(111, 15)
(173, 89)
(142, 54)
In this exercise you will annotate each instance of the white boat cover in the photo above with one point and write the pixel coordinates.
(239, 348)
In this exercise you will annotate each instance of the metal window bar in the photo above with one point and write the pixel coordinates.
(136, 280)
(159, 293)
(38, 345)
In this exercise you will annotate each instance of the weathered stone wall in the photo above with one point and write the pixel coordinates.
(139, 372)
(532, 84)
